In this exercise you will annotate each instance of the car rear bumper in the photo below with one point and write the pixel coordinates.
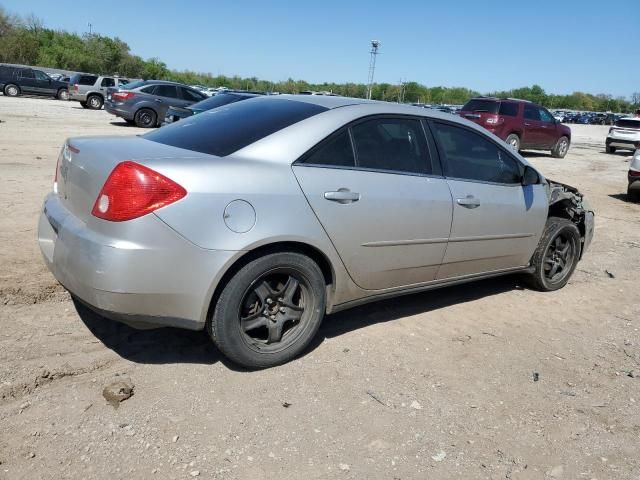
(119, 112)
(149, 275)
(78, 97)
(623, 143)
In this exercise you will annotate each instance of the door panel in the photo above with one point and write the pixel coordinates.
(389, 229)
(499, 230)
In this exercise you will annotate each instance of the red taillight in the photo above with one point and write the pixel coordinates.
(634, 173)
(133, 190)
(122, 95)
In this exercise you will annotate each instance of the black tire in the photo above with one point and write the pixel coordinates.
(633, 195)
(269, 304)
(513, 140)
(561, 148)
(95, 102)
(11, 90)
(63, 94)
(146, 118)
(609, 149)
(559, 233)
(84, 104)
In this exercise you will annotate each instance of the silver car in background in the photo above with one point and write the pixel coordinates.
(255, 219)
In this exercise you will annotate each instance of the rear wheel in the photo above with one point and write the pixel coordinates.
(609, 149)
(561, 148)
(269, 311)
(513, 141)
(94, 102)
(84, 104)
(11, 90)
(63, 94)
(557, 255)
(145, 118)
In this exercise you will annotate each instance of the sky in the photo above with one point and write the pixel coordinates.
(487, 45)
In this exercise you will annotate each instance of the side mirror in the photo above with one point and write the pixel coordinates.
(530, 176)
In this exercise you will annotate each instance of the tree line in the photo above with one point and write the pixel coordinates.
(26, 41)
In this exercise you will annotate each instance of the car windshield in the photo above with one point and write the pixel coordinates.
(628, 123)
(229, 128)
(479, 105)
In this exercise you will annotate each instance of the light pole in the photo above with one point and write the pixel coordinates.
(375, 45)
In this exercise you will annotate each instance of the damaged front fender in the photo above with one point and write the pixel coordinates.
(567, 202)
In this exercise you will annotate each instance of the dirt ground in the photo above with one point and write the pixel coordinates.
(433, 385)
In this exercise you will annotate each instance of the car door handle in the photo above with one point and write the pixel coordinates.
(468, 202)
(342, 195)
(158, 100)
(527, 124)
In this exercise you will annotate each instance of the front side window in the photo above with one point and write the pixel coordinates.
(470, 156)
(334, 152)
(229, 128)
(545, 116)
(108, 82)
(394, 144)
(41, 75)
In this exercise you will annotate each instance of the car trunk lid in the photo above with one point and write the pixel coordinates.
(85, 163)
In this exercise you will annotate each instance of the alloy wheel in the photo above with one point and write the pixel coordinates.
(559, 258)
(272, 311)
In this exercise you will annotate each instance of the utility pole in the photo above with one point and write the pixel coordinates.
(375, 45)
(90, 27)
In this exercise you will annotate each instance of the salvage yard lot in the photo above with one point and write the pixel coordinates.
(485, 380)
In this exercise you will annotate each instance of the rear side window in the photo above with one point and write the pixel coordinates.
(394, 144)
(27, 73)
(336, 151)
(481, 105)
(509, 109)
(84, 79)
(531, 112)
(150, 89)
(108, 82)
(224, 130)
(470, 156)
(169, 91)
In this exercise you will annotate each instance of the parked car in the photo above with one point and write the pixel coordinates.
(520, 123)
(91, 90)
(633, 189)
(254, 219)
(624, 135)
(15, 81)
(224, 98)
(145, 103)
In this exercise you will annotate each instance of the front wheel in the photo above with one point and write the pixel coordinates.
(145, 118)
(269, 311)
(556, 256)
(513, 141)
(561, 148)
(63, 94)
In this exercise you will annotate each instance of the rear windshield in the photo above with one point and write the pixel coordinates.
(132, 85)
(628, 123)
(218, 101)
(476, 105)
(84, 79)
(224, 130)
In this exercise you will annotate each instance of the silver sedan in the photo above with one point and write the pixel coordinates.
(255, 219)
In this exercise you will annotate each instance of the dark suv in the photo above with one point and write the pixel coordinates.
(15, 81)
(520, 123)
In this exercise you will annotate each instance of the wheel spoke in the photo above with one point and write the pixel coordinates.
(256, 322)
(275, 332)
(554, 270)
(264, 291)
(289, 290)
